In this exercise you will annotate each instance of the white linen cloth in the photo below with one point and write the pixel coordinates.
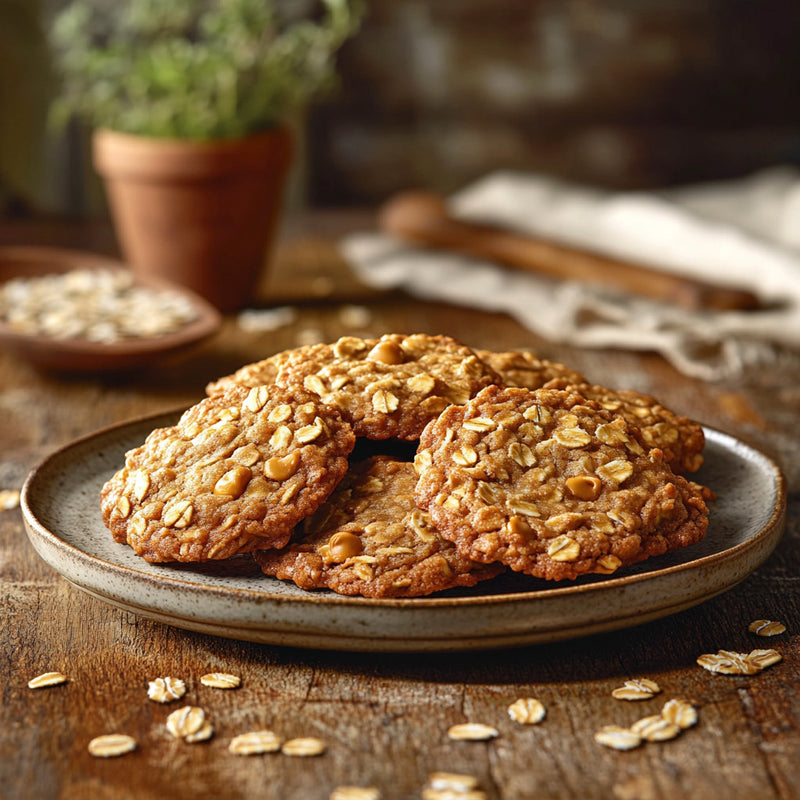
(743, 233)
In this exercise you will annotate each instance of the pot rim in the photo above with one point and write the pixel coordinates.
(116, 154)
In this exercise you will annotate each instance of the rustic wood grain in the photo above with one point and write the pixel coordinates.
(384, 717)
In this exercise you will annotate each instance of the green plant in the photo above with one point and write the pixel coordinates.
(195, 69)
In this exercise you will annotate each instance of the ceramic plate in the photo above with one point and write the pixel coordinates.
(61, 510)
(81, 355)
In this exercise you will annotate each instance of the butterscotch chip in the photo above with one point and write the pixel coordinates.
(523, 513)
(387, 387)
(371, 539)
(524, 369)
(235, 474)
(680, 439)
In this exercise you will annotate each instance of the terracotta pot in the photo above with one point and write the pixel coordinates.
(202, 214)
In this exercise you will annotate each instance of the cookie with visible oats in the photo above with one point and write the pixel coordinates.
(371, 539)
(389, 387)
(259, 373)
(680, 439)
(526, 370)
(235, 474)
(551, 484)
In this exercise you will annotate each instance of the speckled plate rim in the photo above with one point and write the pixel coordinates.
(249, 606)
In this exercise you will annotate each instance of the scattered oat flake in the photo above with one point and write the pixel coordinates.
(728, 662)
(680, 712)
(472, 731)
(655, 728)
(638, 689)
(47, 679)
(255, 743)
(764, 658)
(266, 320)
(112, 744)
(9, 498)
(203, 735)
(766, 627)
(304, 746)
(165, 690)
(617, 738)
(527, 711)
(355, 793)
(453, 794)
(306, 336)
(186, 721)
(355, 316)
(452, 786)
(453, 781)
(221, 680)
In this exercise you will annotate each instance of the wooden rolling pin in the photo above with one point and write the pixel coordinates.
(422, 217)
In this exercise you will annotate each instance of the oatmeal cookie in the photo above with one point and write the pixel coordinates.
(371, 539)
(389, 387)
(680, 439)
(259, 373)
(551, 484)
(526, 370)
(235, 474)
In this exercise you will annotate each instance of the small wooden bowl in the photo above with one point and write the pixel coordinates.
(82, 355)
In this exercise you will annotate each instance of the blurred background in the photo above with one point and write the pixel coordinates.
(434, 93)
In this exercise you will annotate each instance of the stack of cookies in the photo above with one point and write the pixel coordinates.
(408, 464)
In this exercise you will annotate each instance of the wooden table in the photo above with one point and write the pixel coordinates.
(384, 717)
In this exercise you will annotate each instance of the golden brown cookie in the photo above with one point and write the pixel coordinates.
(526, 370)
(371, 539)
(680, 439)
(551, 484)
(259, 373)
(389, 387)
(235, 474)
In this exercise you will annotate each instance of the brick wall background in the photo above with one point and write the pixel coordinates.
(434, 93)
(623, 93)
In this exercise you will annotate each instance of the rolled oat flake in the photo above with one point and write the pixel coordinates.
(111, 745)
(47, 679)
